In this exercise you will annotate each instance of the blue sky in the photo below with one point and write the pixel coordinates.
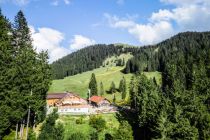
(63, 26)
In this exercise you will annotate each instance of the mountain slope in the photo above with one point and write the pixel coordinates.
(152, 58)
(79, 83)
(86, 59)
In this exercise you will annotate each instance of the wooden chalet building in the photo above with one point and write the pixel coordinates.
(99, 101)
(68, 103)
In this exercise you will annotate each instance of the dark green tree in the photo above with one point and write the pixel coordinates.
(97, 122)
(94, 135)
(7, 72)
(33, 71)
(101, 89)
(50, 130)
(122, 87)
(124, 132)
(146, 100)
(22, 71)
(31, 135)
(114, 98)
(108, 136)
(93, 85)
(112, 87)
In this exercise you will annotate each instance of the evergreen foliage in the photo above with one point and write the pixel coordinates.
(122, 87)
(7, 72)
(124, 132)
(94, 135)
(22, 72)
(87, 59)
(180, 108)
(50, 130)
(114, 98)
(112, 87)
(93, 85)
(108, 136)
(97, 122)
(77, 136)
(101, 89)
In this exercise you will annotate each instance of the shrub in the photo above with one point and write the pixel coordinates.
(77, 136)
(97, 122)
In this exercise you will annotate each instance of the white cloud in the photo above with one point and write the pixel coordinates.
(56, 2)
(161, 15)
(150, 33)
(67, 1)
(193, 17)
(79, 42)
(116, 22)
(50, 40)
(188, 15)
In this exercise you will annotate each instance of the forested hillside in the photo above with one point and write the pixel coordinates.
(87, 59)
(180, 109)
(187, 45)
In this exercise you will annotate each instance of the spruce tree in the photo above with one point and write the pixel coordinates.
(22, 71)
(114, 99)
(122, 87)
(25, 62)
(93, 85)
(7, 72)
(101, 89)
(34, 74)
(124, 131)
(112, 87)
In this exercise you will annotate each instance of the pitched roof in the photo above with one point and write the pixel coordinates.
(97, 99)
(56, 95)
(60, 95)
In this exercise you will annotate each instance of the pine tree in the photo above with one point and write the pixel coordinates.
(25, 60)
(124, 132)
(50, 130)
(7, 72)
(22, 71)
(34, 73)
(114, 98)
(122, 87)
(93, 85)
(112, 87)
(101, 89)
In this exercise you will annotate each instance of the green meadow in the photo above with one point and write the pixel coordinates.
(79, 83)
(70, 125)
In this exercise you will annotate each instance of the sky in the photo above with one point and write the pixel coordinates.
(64, 26)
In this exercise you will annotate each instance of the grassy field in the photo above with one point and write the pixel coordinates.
(70, 125)
(110, 72)
(79, 83)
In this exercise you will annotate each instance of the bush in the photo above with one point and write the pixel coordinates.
(31, 135)
(77, 136)
(108, 136)
(94, 135)
(97, 122)
(80, 120)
